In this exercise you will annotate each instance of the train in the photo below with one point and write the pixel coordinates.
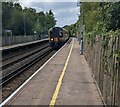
(57, 37)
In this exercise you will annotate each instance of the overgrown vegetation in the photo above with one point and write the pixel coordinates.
(102, 46)
(100, 18)
(26, 20)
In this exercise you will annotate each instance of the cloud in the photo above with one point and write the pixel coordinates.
(65, 12)
(50, 0)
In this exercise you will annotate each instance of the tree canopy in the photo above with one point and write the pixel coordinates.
(100, 16)
(26, 20)
(97, 17)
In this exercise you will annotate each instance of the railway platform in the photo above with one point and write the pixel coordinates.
(21, 45)
(65, 79)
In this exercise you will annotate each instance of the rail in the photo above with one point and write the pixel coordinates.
(43, 52)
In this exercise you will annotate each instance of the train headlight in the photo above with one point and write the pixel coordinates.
(52, 39)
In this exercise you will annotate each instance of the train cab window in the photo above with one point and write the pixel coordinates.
(56, 33)
(61, 34)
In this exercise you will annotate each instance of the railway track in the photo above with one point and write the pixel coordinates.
(6, 63)
(15, 67)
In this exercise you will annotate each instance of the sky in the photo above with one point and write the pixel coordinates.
(66, 13)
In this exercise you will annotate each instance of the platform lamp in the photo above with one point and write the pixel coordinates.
(77, 27)
(24, 24)
(83, 26)
(35, 35)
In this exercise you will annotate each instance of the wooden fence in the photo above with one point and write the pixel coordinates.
(104, 59)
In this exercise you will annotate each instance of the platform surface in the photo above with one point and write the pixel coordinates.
(78, 86)
(20, 45)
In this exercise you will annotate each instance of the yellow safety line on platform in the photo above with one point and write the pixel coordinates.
(54, 97)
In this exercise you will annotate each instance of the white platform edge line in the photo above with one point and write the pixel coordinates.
(5, 101)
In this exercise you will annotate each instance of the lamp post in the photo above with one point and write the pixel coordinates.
(77, 29)
(82, 32)
(35, 35)
(83, 27)
(24, 26)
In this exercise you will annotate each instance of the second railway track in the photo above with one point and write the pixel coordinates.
(11, 61)
(22, 63)
(19, 67)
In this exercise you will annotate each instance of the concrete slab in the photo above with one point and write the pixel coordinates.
(78, 87)
(74, 93)
(35, 94)
(50, 73)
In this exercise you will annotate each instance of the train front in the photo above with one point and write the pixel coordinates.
(56, 37)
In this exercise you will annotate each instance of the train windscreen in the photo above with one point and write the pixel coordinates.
(56, 32)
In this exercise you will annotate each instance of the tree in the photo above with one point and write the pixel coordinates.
(50, 20)
(25, 21)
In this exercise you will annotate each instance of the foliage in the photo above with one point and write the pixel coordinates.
(113, 16)
(26, 20)
(100, 17)
(71, 29)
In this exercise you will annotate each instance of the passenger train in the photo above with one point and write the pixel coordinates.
(57, 36)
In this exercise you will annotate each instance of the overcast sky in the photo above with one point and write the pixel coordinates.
(66, 13)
